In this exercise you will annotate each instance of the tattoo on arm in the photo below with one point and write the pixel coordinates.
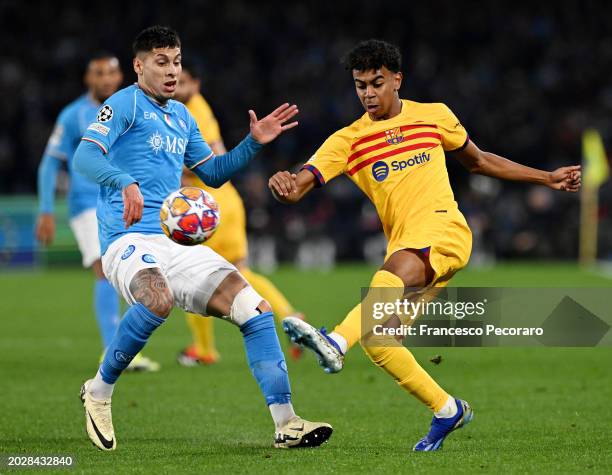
(150, 288)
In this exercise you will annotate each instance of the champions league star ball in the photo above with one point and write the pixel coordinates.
(189, 216)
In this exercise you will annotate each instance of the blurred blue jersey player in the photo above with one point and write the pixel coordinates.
(136, 150)
(102, 78)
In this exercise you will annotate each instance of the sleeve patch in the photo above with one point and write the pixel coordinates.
(56, 136)
(97, 127)
(105, 113)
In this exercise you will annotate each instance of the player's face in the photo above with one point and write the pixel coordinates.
(103, 78)
(187, 87)
(377, 91)
(158, 72)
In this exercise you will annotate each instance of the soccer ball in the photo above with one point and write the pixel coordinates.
(189, 216)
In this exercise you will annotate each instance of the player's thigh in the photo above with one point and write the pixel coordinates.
(194, 273)
(85, 229)
(410, 265)
(130, 256)
(204, 282)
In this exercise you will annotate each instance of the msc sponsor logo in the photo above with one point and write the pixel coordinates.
(394, 136)
(128, 252)
(380, 171)
(416, 160)
(168, 144)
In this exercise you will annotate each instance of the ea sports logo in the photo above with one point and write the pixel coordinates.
(380, 171)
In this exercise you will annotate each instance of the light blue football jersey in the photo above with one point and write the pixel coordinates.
(149, 142)
(69, 128)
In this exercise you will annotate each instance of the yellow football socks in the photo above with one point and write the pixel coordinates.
(350, 327)
(203, 335)
(395, 359)
(398, 362)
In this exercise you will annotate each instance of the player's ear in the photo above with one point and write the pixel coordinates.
(397, 80)
(137, 65)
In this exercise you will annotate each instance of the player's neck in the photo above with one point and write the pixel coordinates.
(162, 102)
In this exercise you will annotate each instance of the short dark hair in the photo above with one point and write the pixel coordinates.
(373, 54)
(155, 37)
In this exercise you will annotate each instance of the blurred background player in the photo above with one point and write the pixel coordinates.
(230, 238)
(102, 78)
(396, 154)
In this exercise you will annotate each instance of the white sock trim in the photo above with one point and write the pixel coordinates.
(340, 340)
(99, 389)
(281, 413)
(448, 410)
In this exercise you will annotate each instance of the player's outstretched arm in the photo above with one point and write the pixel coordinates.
(274, 124)
(290, 188)
(489, 164)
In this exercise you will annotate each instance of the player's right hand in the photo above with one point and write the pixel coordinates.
(282, 183)
(45, 228)
(133, 204)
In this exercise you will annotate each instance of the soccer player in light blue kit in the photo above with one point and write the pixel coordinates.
(136, 150)
(102, 78)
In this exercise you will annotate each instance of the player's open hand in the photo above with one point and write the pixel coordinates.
(133, 204)
(282, 184)
(274, 124)
(566, 179)
(45, 228)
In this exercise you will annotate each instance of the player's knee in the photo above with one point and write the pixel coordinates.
(246, 305)
(150, 288)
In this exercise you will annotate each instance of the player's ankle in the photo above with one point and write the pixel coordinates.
(448, 410)
(340, 341)
(100, 389)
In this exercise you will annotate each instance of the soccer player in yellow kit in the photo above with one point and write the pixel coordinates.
(395, 153)
(230, 239)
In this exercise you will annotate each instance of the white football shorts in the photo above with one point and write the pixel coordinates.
(194, 272)
(85, 229)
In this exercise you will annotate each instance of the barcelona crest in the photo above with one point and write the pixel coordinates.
(394, 136)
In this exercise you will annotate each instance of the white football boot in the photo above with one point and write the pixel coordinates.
(98, 420)
(327, 351)
(299, 432)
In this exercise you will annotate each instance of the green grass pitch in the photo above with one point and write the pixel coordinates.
(536, 409)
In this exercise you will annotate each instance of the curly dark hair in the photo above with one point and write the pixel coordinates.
(155, 37)
(373, 54)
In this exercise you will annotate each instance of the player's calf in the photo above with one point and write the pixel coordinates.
(252, 314)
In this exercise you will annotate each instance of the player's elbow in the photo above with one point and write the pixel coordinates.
(477, 164)
(214, 182)
(79, 158)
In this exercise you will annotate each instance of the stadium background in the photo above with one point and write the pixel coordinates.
(526, 79)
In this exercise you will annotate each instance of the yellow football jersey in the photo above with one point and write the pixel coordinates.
(230, 239)
(204, 117)
(399, 163)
